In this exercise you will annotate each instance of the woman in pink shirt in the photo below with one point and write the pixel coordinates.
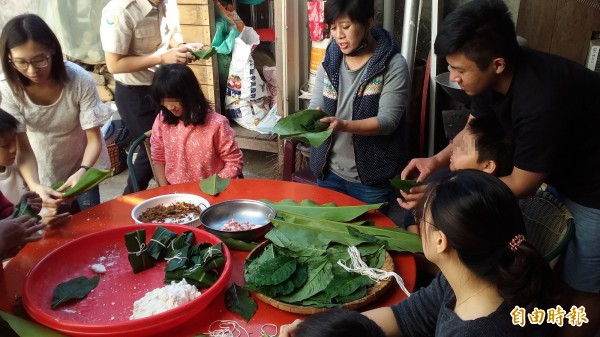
(189, 140)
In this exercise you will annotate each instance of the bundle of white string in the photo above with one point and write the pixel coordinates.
(229, 328)
(357, 265)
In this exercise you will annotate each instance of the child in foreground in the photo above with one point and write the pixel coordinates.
(189, 141)
(471, 228)
(338, 323)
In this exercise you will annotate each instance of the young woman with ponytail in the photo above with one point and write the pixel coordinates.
(472, 229)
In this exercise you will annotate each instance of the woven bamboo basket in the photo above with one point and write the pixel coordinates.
(373, 293)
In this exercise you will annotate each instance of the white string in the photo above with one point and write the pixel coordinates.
(264, 332)
(357, 265)
(142, 248)
(209, 253)
(160, 243)
(178, 257)
(227, 328)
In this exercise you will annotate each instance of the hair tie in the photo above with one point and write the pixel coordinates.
(516, 242)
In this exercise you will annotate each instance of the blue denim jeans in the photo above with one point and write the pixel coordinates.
(365, 193)
(89, 198)
(582, 260)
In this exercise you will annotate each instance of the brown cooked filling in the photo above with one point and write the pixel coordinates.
(179, 210)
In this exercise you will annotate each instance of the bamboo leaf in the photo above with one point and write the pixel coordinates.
(23, 208)
(239, 245)
(397, 239)
(214, 185)
(299, 218)
(91, 178)
(304, 125)
(404, 185)
(22, 327)
(76, 288)
(238, 300)
(204, 53)
(333, 213)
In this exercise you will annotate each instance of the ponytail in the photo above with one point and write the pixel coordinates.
(525, 278)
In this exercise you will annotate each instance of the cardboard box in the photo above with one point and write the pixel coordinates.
(593, 57)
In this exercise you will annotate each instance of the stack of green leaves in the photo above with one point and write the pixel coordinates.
(196, 263)
(310, 276)
(300, 265)
(305, 126)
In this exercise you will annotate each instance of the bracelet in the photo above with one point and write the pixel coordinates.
(85, 167)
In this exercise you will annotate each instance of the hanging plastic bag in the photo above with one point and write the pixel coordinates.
(224, 37)
(77, 27)
(246, 95)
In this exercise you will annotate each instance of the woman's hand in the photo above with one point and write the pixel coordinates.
(72, 181)
(50, 197)
(335, 123)
(287, 330)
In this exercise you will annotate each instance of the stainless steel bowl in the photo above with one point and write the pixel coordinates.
(241, 210)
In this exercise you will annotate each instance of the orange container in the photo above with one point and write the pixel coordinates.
(105, 311)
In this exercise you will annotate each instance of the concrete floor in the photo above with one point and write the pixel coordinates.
(257, 164)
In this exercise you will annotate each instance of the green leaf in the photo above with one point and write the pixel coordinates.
(346, 285)
(404, 185)
(333, 213)
(274, 271)
(304, 125)
(319, 276)
(238, 300)
(22, 327)
(214, 185)
(397, 239)
(204, 53)
(23, 208)
(91, 178)
(303, 219)
(239, 245)
(76, 288)
(366, 237)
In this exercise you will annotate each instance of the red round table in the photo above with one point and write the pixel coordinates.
(117, 212)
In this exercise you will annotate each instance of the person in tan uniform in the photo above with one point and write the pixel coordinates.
(137, 36)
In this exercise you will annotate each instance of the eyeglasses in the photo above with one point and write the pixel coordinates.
(36, 63)
(420, 217)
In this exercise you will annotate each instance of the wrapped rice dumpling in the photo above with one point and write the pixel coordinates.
(157, 247)
(179, 260)
(137, 251)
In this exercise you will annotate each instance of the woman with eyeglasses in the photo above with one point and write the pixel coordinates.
(58, 109)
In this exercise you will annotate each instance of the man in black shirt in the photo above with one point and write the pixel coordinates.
(550, 107)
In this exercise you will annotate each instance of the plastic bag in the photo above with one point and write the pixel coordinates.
(246, 95)
(265, 126)
(224, 37)
(77, 27)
